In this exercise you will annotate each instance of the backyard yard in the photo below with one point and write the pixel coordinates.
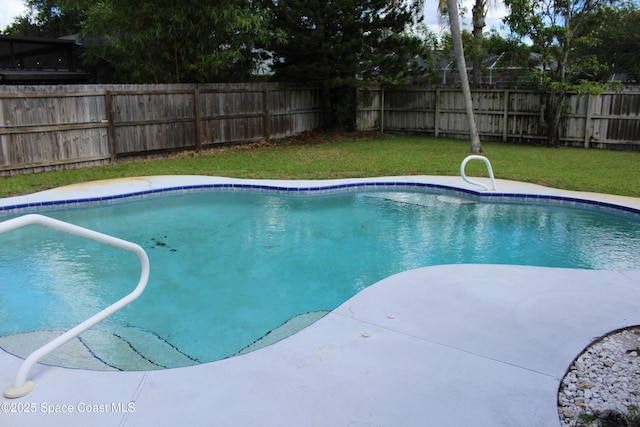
(326, 156)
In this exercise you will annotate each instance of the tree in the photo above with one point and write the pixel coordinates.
(45, 19)
(552, 26)
(513, 57)
(456, 38)
(173, 41)
(478, 19)
(434, 53)
(334, 44)
(610, 42)
(475, 50)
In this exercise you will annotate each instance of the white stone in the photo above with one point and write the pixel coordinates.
(604, 377)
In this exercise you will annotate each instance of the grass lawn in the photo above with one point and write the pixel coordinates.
(317, 156)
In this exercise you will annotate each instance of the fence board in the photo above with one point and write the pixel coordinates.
(609, 120)
(232, 116)
(293, 111)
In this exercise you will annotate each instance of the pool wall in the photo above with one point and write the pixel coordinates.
(116, 190)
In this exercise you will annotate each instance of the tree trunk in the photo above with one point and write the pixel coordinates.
(552, 116)
(479, 12)
(456, 38)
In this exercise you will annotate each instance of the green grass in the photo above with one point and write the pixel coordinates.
(345, 156)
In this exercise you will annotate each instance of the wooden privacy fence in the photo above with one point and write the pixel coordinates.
(53, 127)
(72, 126)
(609, 120)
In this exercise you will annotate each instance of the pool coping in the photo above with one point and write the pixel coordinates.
(456, 345)
(130, 188)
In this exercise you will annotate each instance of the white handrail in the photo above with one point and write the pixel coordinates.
(470, 181)
(21, 386)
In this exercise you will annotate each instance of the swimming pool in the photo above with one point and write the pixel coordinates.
(269, 257)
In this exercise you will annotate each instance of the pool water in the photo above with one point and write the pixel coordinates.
(229, 267)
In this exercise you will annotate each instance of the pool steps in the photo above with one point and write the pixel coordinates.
(21, 386)
(130, 348)
(285, 330)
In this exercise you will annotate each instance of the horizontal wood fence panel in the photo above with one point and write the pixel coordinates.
(297, 98)
(368, 113)
(292, 124)
(233, 130)
(229, 117)
(53, 127)
(609, 120)
(152, 121)
(35, 149)
(293, 111)
(523, 102)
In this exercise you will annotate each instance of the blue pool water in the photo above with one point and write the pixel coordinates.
(228, 267)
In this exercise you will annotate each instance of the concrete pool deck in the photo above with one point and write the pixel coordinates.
(449, 345)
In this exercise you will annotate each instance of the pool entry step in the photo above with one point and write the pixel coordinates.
(130, 349)
(288, 328)
(22, 386)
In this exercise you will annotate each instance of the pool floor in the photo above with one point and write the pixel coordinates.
(454, 345)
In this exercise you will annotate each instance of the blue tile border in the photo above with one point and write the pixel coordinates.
(480, 196)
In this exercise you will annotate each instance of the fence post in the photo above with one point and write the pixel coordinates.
(436, 119)
(381, 109)
(505, 116)
(587, 124)
(266, 113)
(196, 115)
(108, 99)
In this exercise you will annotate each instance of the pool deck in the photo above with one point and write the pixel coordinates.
(449, 345)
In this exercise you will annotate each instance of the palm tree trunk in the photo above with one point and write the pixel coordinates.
(479, 13)
(456, 38)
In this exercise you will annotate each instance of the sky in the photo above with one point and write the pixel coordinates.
(493, 20)
(9, 9)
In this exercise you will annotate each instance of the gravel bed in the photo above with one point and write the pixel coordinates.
(604, 381)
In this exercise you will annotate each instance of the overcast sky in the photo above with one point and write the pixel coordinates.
(495, 14)
(9, 9)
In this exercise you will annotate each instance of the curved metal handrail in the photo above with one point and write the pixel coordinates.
(21, 386)
(489, 168)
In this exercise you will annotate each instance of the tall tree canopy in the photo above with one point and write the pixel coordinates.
(171, 41)
(554, 26)
(46, 19)
(610, 42)
(334, 43)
